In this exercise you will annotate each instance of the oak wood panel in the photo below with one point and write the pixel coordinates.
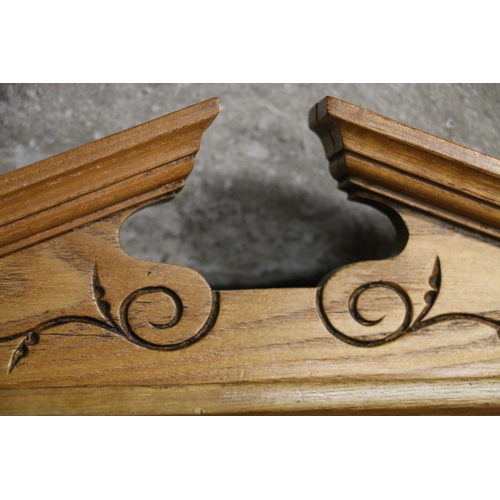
(256, 335)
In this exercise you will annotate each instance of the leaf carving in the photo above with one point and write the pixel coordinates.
(22, 350)
(18, 354)
(121, 327)
(99, 293)
(431, 296)
(435, 278)
(406, 327)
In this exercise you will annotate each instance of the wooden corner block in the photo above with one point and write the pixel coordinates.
(87, 329)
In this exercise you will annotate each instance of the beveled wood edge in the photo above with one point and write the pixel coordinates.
(162, 194)
(468, 182)
(339, 110)
(298, 397)
(202, 112)
(174, 140)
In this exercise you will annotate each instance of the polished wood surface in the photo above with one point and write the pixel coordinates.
(86, 329)
(104, 177)
(371, 153)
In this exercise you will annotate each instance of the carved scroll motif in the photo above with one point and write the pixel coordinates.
(407, 326)
(122, 327)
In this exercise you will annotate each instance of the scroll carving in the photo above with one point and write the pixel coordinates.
(63, 275)
(122, 327)
(407, 325)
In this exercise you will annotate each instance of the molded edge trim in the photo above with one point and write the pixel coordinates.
(57, 192)
(355, 138)
(376, 397)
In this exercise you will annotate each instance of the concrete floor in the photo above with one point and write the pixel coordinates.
(260, 208)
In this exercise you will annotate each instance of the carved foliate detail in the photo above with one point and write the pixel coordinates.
(407, 325)
(122, 327)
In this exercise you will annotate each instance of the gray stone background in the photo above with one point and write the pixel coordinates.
(260, 208)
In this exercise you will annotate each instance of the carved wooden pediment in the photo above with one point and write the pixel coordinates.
(86, 328)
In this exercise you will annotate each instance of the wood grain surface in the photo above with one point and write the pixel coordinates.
(86, 329)
(371, 153)
(71, 189)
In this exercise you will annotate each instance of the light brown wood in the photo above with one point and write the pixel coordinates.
(371, 153)
(74, 188)
(87, 329)
(342, 398)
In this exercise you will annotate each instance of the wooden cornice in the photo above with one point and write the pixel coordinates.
(144, 163)
(372, 154)
(85, 328)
